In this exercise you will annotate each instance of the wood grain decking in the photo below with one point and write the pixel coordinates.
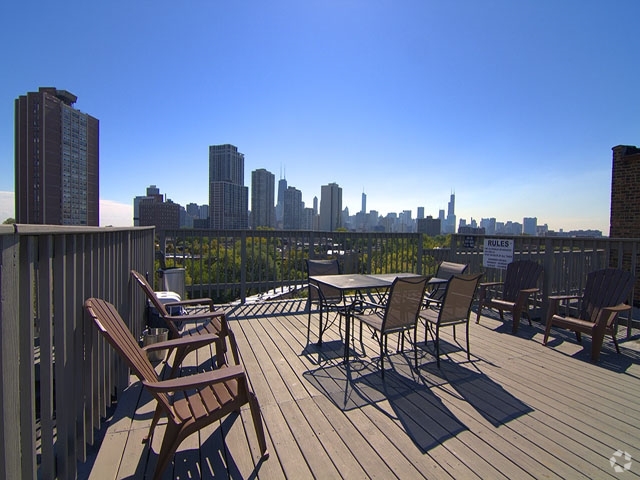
(517, 410)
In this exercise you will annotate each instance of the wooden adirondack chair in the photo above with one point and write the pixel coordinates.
(212, 321)
(519, 284)
(190, 402)
(603, 299)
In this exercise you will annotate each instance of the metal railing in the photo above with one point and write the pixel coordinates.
(58, 378)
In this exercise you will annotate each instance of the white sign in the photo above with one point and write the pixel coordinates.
(498, 253)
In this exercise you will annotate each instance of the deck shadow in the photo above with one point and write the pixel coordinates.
(609, 359)
(333, 350)
(487, 397)
(423, 416)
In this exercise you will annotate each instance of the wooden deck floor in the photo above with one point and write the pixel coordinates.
(517, 410)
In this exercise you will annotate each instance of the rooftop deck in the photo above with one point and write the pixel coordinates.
(517, 410)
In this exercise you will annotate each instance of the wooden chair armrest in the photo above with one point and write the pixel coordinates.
(195, 317)
(623, 307)
(529, 291)
(197, 380)
(558, 298)
(195, 340)
(607, 315)
(490, 284)
(192, 302)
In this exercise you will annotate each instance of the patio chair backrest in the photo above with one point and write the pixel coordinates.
(404, 303)
(446, 270)
(605, 288)
(458, 298)
(152, 297)
(323, 267)
(521, 275)
(115, 331)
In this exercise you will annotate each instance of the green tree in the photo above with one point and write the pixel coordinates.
(9, 221)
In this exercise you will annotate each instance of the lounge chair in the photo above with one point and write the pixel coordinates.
(455, 309)
(520, 282)
(603, 299)
(191, 402)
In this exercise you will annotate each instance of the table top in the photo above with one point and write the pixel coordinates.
(357, 281)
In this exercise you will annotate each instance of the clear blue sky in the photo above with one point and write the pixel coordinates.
(513, 105)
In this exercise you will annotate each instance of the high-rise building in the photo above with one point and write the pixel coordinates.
(364, 203)
(450, 223)
(228, 196)
(262, 193)
(330, 207)
(293, 207)
(282, 187)
(56, 160)
(530, 225)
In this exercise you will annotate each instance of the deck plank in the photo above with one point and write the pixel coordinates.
(518, 409)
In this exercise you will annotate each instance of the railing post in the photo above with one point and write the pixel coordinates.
(243, 266)
(10, 457)
(547, 275)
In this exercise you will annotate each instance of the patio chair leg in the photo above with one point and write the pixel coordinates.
(438, 345)
(615, 342)
(468, 347)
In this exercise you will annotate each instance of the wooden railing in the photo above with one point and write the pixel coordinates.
(58, 378)
(47, 272)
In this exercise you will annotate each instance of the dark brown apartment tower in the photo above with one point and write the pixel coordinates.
(56, 160)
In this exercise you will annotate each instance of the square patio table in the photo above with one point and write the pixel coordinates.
(359, 282)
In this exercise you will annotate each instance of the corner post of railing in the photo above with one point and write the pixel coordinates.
(243, 266)
(10, 419)
(547, 275)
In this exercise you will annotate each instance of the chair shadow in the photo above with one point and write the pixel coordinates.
(609, 358)
(423, 416)
(332, 350)
(487, 397)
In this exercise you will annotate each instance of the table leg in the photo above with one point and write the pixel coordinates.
(347, 326)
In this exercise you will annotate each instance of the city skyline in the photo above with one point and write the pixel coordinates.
(514, 106)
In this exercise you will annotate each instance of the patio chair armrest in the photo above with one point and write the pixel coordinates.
(193, 302)
(529, 291)
(554, 301)
(360, 305)
(196, 341)
(197, 380)
(482, 292)
(196, 317)
(607, 315)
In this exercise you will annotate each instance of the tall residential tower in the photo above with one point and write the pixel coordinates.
(262, 199)
(228, 196)
(56, 160)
